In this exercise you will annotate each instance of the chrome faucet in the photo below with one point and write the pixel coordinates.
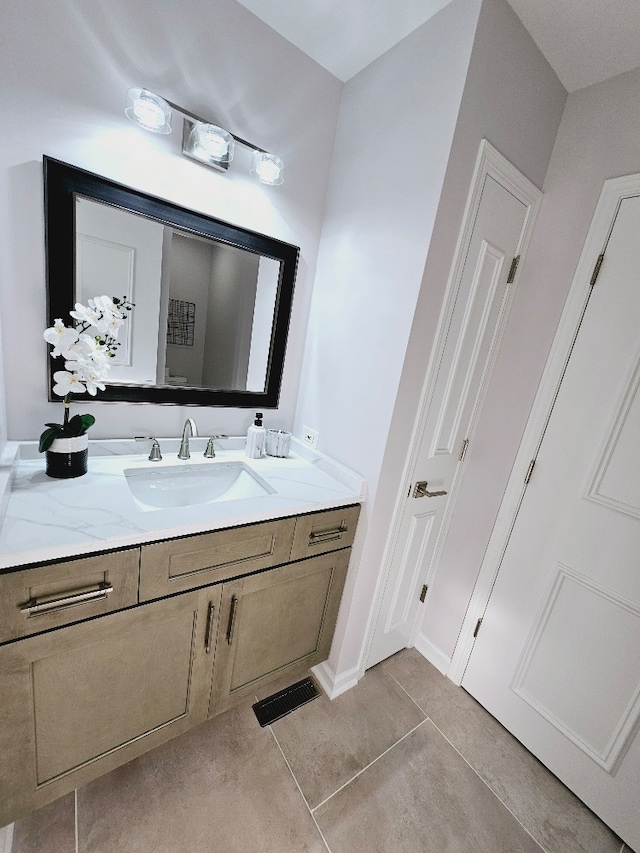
(210, 452)
(189, 429)
(155, 455)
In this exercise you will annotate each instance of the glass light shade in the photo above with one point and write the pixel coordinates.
(210, 142)
(148, 110)
(267, 168)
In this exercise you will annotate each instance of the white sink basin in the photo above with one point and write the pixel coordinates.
(188, 485)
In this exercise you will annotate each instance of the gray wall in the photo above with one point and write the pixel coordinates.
(394, 138)
(512, 98)
(597, 139)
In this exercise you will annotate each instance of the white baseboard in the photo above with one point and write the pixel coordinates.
(432, 653)
(332, 684)
(6, 838)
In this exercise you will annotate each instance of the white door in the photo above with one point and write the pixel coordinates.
(480, 296)
(557, 656)
(120, 254)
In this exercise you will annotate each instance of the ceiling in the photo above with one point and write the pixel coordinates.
(585, 41)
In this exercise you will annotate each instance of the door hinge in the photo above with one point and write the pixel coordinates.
(513, 268)
(423, 594)
(477, 628)
(527, 476)
(596, 270)
(463, 449)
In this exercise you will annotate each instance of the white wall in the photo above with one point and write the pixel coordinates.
(65, 69)
(512, 98)
(597, 139)
(397, 122)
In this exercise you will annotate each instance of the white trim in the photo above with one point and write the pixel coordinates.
(332, 684)
(432, 653)
(614, 191)
(491, 163)
(6, 838)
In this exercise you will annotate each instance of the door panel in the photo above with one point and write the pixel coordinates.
(482, 299)
(556, 659)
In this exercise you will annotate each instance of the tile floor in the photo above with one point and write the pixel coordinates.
(404, 763)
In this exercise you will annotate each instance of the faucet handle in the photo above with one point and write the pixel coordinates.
(154, 455)
(210, 452)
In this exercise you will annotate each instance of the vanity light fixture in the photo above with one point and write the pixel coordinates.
(267, 168)
(148, 110)
(201, 140)
(209, 142)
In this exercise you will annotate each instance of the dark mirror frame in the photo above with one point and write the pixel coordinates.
(62, 183)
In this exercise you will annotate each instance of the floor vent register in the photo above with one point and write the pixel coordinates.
(285, 701)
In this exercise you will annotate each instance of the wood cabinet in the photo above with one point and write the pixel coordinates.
(82, 700)
(192, 561)
(274, 623)
(35, 600)
(84, 690)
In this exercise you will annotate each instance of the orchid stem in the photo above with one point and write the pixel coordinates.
(67, 406)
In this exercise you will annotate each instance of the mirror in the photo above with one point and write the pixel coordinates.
(212, 301)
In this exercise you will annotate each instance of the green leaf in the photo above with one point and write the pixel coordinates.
(79, 424)
(54, 425)
(48, 437)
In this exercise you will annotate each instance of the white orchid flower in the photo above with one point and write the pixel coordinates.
(67, 383)
(113, 325)
(85, 349)
(85, 314)
(60, 337)
(92, 378)
(104, 305)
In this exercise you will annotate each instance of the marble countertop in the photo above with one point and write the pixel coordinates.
(48, 519)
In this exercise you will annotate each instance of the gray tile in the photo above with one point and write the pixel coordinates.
(420, 797)
(326, 743)
(51, 829)
(552, 814)
(222, 786)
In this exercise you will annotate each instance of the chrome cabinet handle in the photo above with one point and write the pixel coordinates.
(420, 491)
(34, 607)
(232, 619)
(210, 613)
(327, 535)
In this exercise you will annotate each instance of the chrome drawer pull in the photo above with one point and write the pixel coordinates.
(38, 608)
(327, 535)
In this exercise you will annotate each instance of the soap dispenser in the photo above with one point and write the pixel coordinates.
(256, 435)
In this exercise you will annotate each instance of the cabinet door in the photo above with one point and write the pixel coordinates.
(82, 700)
(279, 621)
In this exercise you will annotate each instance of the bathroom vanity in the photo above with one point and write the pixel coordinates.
(108, 651)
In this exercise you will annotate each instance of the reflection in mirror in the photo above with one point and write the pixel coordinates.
(204, 310)
(212, 301)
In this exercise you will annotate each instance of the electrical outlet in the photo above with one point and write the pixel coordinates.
(310, 436)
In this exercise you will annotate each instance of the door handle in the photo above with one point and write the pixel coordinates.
(37, 607)
(232, 619)
(420, 491)
(210, 619)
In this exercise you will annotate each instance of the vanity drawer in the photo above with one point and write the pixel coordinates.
(44, 597)
(181, 564)
(324, 531)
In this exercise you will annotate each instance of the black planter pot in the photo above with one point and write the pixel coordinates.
(68, 457)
